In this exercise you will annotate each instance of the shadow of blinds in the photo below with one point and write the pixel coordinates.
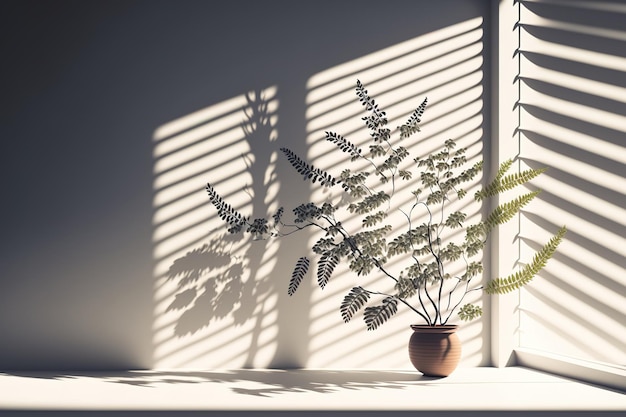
(215, 304)
(573, 120)
(446, 66)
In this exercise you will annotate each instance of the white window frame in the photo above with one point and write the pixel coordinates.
(505, 344)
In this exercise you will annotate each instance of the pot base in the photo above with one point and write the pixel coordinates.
(435, 350)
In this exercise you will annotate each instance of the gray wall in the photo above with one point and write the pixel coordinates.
(84, 85)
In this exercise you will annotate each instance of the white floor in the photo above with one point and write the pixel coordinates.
(467, 389)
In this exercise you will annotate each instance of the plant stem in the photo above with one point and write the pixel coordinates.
(432, 251)
(419, 297)
(467, 291)
(414, 309)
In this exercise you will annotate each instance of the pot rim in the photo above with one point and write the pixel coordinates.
(439, 328)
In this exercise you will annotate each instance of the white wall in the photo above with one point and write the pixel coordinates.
(573, 118)
(116, 114)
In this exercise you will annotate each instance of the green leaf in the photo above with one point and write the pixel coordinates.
(435, 197)
(428, 179)
(470, 312)
(520, 278)
(499, 185)
(458, 161)
(506, 211)
(474, 247)
(475, 232)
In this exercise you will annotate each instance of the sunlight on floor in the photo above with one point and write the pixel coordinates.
(472, 390)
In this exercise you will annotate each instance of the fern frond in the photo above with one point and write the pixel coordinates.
(344, 144)
(499, 185)
(376, 119)
(302, 266)
(506, 211)
(412, 125)
(309, 171)
(523, 277)
(503, 168)
(353, 302)
(367, 101)
(325, 268)
(228, 214)
(375, 316)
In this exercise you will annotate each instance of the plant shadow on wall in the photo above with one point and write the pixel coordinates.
(448, 64)
(210, 287)
(221, 278)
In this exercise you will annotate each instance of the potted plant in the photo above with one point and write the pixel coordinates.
(439, 253)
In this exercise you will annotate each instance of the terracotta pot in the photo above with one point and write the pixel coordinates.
(434, 350)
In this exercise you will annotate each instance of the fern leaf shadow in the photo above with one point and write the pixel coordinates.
(204, 296)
